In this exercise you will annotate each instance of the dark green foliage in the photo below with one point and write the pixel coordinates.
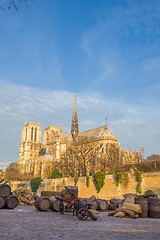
(139, 190)
(87, 181)
(35, 182)
(139, 180)
(119, 177)
(139, 176)
(56, 174)
(75, 181)
(99, 178)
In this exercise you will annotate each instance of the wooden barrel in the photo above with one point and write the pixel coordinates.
(111, 206)
(42, 203)
(154, 207)
(5, 190)
(88, 201)
(144, 206)
(54, 204)
(102, 204)
(65, 194)
(83, 200)
(2, 202)
(94, 203)
(49, 194)
(11, 201)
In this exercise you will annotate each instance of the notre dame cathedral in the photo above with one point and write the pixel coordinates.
(35, 157)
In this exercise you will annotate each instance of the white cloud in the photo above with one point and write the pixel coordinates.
(133, 125)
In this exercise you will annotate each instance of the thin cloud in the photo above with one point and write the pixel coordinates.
(134, 125)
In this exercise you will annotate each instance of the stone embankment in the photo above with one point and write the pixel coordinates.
(109, 190)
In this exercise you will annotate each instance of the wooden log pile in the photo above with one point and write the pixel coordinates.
(131, 206)
(94, 204)
(50, 194)
(42, 204)
(25, 196)
(7, 199)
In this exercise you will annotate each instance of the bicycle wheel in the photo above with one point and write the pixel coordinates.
(82, 214)
(61, 208)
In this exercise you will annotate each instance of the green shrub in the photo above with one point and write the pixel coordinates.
(99, 179)
(139, 190)
(139, 180)
(56, 174)
(87, 181)
(35, 182)
(119, 177)
(75, 181)
(139, 176)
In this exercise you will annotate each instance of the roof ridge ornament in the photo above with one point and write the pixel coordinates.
(106, 121)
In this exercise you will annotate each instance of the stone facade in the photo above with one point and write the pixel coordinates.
(110, 190)
(36, 157)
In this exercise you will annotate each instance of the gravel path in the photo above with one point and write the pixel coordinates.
(25, 222)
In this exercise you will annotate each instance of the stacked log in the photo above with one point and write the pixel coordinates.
(95, 204)
(65, 194)
(2, 202)
(50, 194)
(102, 204)
(154, 207)
(144, 206)
(7, 199)
(5, 190)
(25, 196)
(54, 204)
(11, 201)
(42, 204)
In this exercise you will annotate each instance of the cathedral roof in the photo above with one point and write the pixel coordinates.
(65, 136)
(100, 132)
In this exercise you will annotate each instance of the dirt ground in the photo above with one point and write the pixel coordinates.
(26, 222)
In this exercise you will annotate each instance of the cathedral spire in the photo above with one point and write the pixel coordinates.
(74, 127)
(74, 110)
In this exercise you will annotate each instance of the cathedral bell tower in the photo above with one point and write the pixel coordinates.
(74, 127)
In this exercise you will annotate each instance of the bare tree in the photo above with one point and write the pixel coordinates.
(153, 157)
(79, 159)
(67, 165)
(16, 4)
(85, 154)
(88, 157)
(49, 168)
(12, 173)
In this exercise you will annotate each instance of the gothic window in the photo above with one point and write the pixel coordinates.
(101, 145)
(35, 137)
(102, 150)
(32, 134)
(26, 135)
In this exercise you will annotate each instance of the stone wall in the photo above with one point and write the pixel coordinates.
(109, 190)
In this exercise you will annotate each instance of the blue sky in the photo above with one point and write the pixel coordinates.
(109, 51)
